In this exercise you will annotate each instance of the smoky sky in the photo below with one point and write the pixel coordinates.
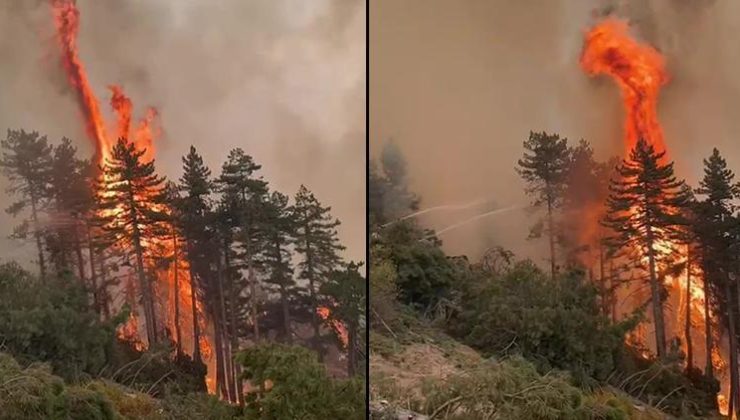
(282, 79)
(459, 85)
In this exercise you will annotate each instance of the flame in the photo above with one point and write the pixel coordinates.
(67, 22)
(638, 69)
(640, 72)
(337, 325)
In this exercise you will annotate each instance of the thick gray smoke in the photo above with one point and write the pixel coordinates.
(282, 79)
(459, 85)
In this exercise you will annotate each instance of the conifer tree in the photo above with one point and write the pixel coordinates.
(395, 199)
(643, 210)
(242, 194)
(714, 225)
(194, 209)
(280, 230)
(26, 160)
(317, 242)
(544, 167)
(346, 293)
(174, 260)
(131, 197)
(70, 193)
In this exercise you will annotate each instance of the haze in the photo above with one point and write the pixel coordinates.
(282, 79)
(459, 85)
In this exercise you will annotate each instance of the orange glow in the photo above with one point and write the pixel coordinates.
(142, 135)
(640, 72)
(337, 325)
(638, 69)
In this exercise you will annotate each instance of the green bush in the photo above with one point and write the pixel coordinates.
(556, 325)
(35, 393)
(52, 322)
(290, 383)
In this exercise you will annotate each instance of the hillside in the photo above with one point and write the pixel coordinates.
(411, 367)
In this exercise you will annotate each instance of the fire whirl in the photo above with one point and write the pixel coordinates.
(638, 69)
(640, 72)
(142, 135)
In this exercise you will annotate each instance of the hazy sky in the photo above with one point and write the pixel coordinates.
(282, 79)
(459, 84)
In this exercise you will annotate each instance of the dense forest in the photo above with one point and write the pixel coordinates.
(633, 313)
(145, 295)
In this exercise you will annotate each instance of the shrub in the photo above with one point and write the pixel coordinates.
(289, 382)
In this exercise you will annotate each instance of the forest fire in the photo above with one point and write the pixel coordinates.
(338, 327)
(639, 71)
(172, 286)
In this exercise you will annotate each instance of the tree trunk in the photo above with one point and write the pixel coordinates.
(93, 274)
(178, 332)
(604, 285)
(733, 351)
(613, 291)
(37, 236)
(221, 389)
(225, 344)
(283, 293)
(194, 308)
(351, 348)
(657, 304)
(709, 369)
(312, 296)
(145, 290)
(255, 303)
(551, 234)
(103, 288)
(78, 252)
(689, 348)
(236, 369)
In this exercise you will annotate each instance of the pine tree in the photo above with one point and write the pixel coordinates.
(242, 194)
(131, 198)
(714, 225)
(280, 230)
(174, 260)
(316, 240)
(643, 209)
(25, 161)
(70, 192)
(194, 210)
(395, 199)
(240, 220)
(544, 167)
(346, 292)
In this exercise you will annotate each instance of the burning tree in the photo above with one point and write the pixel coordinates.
(132, 205)
(643, 209)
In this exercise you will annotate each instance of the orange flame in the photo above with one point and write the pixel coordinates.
(638, 69)
(67, 22)
(337, 325)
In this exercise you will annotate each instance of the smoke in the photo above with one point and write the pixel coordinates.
(459, 85)
(284, 80)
